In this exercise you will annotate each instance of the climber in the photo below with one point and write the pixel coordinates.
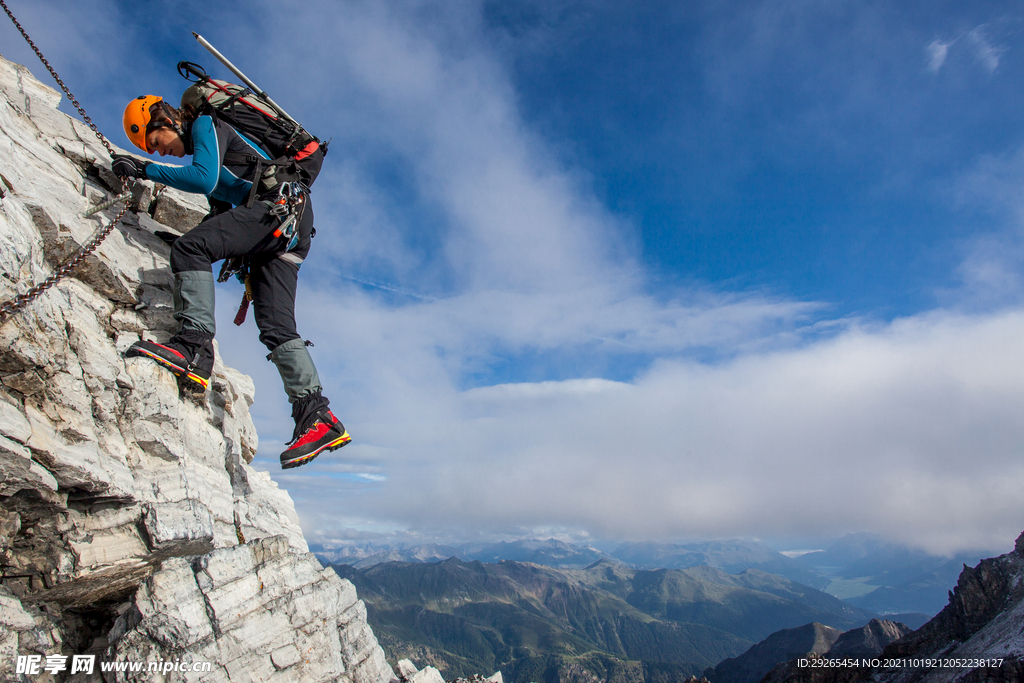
(223, 169)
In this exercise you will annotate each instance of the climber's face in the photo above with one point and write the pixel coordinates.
(166, 141)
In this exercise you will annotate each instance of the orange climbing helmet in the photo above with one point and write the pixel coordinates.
(138, 119)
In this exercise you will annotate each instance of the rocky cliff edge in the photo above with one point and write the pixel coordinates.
(977, 638)
(132, 526)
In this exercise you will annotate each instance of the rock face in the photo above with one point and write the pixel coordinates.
(780, 646)
(977, 638)
(869, 640)
(408, 673)
(132, 526)
(983, 620)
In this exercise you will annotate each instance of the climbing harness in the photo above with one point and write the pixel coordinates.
(287, 203)
(22, 300)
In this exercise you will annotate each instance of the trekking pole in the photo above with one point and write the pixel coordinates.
(245, 79)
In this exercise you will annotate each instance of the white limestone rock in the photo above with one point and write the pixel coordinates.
(187, 523)
(407, 670)
(286, 656)
(14, 621)
(76, 460)
(258, 610)
(428, 675)
(13, 423)
(105, 538)
(115, 490)
(18, 472)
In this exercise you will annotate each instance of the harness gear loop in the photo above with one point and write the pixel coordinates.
(289, 205)
(22, 300)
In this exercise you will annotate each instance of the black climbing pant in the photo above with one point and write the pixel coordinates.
(273, 275)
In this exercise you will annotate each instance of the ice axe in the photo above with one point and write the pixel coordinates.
(245, 79)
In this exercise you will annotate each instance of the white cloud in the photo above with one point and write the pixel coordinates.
(908, 429)
(984, 51)
(937, 51)
(980, 45)
(990, 272)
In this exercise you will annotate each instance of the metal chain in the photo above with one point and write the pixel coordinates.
(22, 300)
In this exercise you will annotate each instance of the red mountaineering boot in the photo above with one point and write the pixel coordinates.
(189, 355)
(326, 433)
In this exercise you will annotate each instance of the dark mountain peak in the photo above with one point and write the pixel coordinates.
(868, 640)
(706, 572)
(607, 562)
(754, 572)
(608, 574)
(813, 638)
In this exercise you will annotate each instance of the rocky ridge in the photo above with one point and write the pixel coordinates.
(869, 640)
(977, 638)
(132, 525)
(751, 666)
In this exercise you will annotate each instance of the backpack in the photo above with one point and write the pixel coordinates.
(296, 155)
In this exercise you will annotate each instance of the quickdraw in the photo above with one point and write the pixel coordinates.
(17, 303)
(289, 205)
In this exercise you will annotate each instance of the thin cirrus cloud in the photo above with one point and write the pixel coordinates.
(976, 41)
(937, 51)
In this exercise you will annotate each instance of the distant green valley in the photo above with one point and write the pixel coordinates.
(536, 623)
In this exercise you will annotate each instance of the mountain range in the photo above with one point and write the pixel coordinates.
(730, 556)
(526, 619)
(903, 583)
(550, 553)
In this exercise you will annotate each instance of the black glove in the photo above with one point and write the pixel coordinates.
(125, 166)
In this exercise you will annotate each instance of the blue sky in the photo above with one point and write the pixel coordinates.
(806, 148)
(682, 270)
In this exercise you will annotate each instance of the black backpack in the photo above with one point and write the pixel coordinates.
(296, 154)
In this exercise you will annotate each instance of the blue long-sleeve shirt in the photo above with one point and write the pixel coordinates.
(208, 174)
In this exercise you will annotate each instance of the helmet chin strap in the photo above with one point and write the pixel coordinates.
(153, 125)
(167, 121)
